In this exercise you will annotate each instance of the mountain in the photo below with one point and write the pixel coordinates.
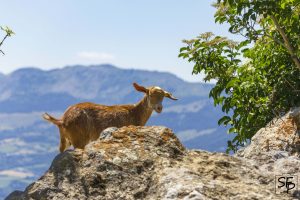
(151, 163)
(28, 144)
(56, 89)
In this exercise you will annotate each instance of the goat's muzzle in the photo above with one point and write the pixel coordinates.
(158, 108)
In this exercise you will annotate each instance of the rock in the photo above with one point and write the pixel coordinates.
(151, 163)
(275, 149)
(15, 195)
(280, 135)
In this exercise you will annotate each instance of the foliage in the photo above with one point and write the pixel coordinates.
(257, 78)
(8, 33)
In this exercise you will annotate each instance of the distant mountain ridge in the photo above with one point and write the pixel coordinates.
(106, 84)
(28, 143)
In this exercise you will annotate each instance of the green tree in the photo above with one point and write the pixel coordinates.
(257, 78)
(8, 33)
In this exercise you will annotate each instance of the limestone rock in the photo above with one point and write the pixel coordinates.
(276, 147)
(279, 136)
(150, 163)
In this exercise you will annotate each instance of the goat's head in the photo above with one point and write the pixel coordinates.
(155, 96)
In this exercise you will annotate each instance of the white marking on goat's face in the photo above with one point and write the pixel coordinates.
(156, 96)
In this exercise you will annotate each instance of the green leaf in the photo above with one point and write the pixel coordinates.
(7, 30)
(183, 49)
(224, 120)
(231, 130)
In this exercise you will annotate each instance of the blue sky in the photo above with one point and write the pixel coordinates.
(140, 34)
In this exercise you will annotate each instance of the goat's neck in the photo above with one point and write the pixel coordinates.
(142, 111)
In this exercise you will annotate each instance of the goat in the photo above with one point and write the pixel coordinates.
(83, 122)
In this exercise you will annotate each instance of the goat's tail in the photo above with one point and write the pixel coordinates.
(53, 120)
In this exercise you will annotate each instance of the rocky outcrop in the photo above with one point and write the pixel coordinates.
(276, 148)
(151, 163)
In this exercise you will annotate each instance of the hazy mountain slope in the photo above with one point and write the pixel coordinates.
(28, 144)
(104, 84)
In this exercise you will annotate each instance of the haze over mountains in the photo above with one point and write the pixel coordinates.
(28, 144)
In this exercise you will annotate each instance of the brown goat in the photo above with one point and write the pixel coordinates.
(83, 122)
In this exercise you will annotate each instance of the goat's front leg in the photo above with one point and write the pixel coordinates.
(63, 143)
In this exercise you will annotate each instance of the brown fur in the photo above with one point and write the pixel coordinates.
(83, 122)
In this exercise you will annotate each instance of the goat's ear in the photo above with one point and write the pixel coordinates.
(170, 96)
(140, 88)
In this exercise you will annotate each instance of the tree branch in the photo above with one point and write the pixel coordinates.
(2, 42)
(287, 45)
